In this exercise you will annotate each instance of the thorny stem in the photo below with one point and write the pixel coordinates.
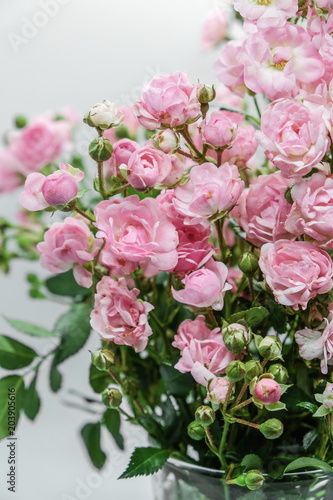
(240, 395)
(101, 179)
(246, 422)
(211, 441)
(84, 214)
(185, 133)
(222, 245)
(244, 403)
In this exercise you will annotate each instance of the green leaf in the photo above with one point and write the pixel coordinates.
(308, 406)
(308, 463)
(176, 383)
(99, 380)
(31, 400)
(145, 461)
(310, 438)
(277, 316)
(14, 355)
(276, 406)
(16, 383)
(55, 378)
(321, 412)
(65, 284)
(74, 329)
(91, 434)
(251, 461)
(30, 328)
(252, 316)
(112, 421)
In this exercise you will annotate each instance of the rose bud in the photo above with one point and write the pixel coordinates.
(205, 415)
(235, 371)
(59, 189)
(166, 140)
(196, 431)
(272, 428)
(218, 390)
(254, 479)
(100, 149)
(102, 359)
(236, 337)
(279, 372)
(267, 391)
(253, 369)
(270, 348)
(112, 398)
(248, 264)
(20, 121)
(103, 115)
(206, 93)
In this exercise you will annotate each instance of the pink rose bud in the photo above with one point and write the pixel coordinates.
(267, 391)
(166, 140)
(218, 390)
(59, 189)
(218, 131)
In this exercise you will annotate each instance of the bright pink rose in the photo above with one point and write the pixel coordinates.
(59, 188)
(214, 29)
(118, 316)
(147, 167)
(138, 232)
(230, 67)
(279, 61)
(169, 100)
(218, 390)
(67, 244)
(312, 210)
(10, 169)
(266, 14)
(317, 343)
(190, 329)
(210, 190)
(296, 271)
(298, 141)
(41, 142)
(267, 391)
(193, 248)
(218, 131)
(205, 287)
(262, 209)
(122, 151)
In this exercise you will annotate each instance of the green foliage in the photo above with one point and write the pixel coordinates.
(251, 461)
(308, 463)
(252, 316)
(30, 328)
(31, 400)
(91, 435)
(112, 421)
(145, 461)
(14, 354)
(176, 383)
(55, 377)
(99, 380)
(64, 284)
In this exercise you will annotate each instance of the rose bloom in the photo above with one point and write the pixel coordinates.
(118, 316)
(205, 287)
(218, 389)
(41, 142)
(243, 147)
(59, 188)
(266, 14)
(210, 190)
(267, 391)
(298, 141)
(147, 167)
(279, 61)
(317, 343)
(193, 329)
(262, 209)
(138, 232)
(10, 169)
(296, 271)
(169, 100)
(218, 130)
(193, 248)
(312, 210)
(67, 244)
(122, 152)
(230, 67)
(214, 28)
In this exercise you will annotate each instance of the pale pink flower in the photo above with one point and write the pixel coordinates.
(243, 147)
(190, 329)
(118, 316)
(193, 248)
(328, 395)
(205, 287)
(214, 29)
(268, 14)
(69, 244)
(262, 209)
(230, 66)
(169, 100)
(122, 152)
(218, 130)
(178, 165)
(218, 390)
(137, 232)
(296, 271)
(317, 343)
(166, 140)
(299, 139)
(10, 169)
(267, 391)
(41, 142)
(210, 190)
(147, 167)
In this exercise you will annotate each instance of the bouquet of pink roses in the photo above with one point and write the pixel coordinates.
(204, 257)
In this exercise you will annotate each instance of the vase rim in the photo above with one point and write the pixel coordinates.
(220, 473)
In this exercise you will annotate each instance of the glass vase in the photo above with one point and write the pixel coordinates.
(182, 481)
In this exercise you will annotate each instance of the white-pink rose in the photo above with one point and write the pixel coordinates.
(230, 67)
(218, 390)
(266, 14)
(218, 130)
(214, 29)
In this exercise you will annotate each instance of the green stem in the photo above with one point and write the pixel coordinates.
(241, 393)
(222, 244)
(210, 440)
(185, 133)
(235, 110)
(222, 445)
(84, 214)
(241, 405)
(257, 105)
(101, 179)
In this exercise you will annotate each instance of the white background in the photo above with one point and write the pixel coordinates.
(84, 52)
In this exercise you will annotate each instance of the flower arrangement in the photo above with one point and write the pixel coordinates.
(200, 252)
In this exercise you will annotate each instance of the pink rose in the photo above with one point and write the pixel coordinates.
(267, 14)
(178, 165)
(190, 329)
(147, 167)
(210, 190)
(317, 343)
(166, 140)
(205, 287)
(59, 188)
(10, 169)
(169, 100)
(230, 67)
(193, 248)
(299, 139)
(41, 142)
(267, 391)
(312, 210)
(138, 232)
(296, 271)
(67, 244)
(214, 29)
(118, 315)
(218, 131)
(122, 152)
(243, 147)
(218, 390)
(262, 209)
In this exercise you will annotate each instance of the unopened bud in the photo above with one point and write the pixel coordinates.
(205, 415)
(100, 149)
(248, 264)
(131, 386)
(206, 93)
(166, 140)
(196, 431)
(20, 121)
(103, 116)
(236, 337)
(279, 372)
(272, 428)
(102, 359)
(267, 391)
(270, 348)
(254, 479)
(112, 398)
(253, 369)
(235, 371)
